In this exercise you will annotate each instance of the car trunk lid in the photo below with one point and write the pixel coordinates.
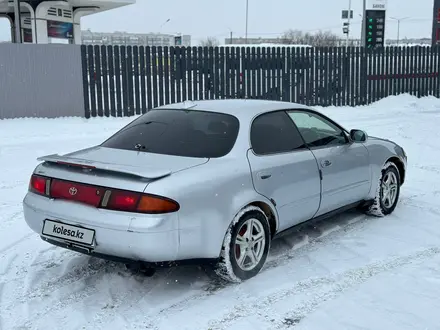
(122, 169)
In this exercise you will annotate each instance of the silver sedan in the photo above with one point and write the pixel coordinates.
(210, 181)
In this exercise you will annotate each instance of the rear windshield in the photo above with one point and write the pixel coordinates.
(185, 133)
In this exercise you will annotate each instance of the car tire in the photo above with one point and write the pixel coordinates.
(245, 247)
(388, 191)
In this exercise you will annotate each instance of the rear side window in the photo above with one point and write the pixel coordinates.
(184, 133)
(273, 133)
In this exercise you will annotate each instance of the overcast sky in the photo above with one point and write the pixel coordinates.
(202, 18)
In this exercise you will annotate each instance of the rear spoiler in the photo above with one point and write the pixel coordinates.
(146, 173)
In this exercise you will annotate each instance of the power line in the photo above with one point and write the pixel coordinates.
(329, 27)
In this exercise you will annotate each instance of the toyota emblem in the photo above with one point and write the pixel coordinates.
(73, 191)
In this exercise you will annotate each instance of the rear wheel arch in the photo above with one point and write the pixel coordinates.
(261, 206)
(228, 267)
(399, 164)
(270, 214)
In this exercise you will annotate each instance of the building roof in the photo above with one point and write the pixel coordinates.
(100, 5)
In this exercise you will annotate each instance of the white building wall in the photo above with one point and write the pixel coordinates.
(132, 39)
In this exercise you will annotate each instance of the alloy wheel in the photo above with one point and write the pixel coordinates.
(249, 244)
(389, 189)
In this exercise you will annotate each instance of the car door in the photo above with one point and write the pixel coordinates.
(345, 166)
(283, 169)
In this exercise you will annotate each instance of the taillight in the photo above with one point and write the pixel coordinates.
(123, 201)
(102, 197)
(155, 204)
(38, 185)
(141, 203)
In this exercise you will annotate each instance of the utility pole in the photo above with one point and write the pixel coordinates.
(247, 21)
(364, 24)
(17, 21)
(231, 38)
(398, 26)
(160, 29)
(348, 23)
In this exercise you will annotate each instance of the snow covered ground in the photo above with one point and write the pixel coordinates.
(353, 272)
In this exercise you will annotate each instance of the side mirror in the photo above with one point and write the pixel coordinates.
(357, 135)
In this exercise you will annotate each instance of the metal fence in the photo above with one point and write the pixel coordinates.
(40, 81)
(125, 81)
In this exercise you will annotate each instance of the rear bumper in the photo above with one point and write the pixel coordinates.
(161, 264)
(118, 235)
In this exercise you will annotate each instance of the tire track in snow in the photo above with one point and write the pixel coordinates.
(92, 274)
(352, 279)
(1, 304)
(89, 277)
(7, 266)
(355, 222)
(42, 267)
(82, 273)
(49, 286)
(262, 306)
(10, 220)
(341, 225)
(119, 305)
(8, 185)
(338, 225)
(25, 266)
(339, 283)
(86, 276)
(10, 246)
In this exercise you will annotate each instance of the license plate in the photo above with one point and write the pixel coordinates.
(68, 232)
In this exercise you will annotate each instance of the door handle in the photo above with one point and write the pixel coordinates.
(265, 176)
(326, 163)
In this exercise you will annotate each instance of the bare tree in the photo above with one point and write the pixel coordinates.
(318, 39)
(325, 39)
(293, 37)
(209, 42)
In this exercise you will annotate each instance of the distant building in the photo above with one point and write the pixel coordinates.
(134, 39)
(253, 41)
(276, 41)
(410, 42)
(340, 43)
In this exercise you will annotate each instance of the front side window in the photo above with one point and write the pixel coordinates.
(274, 132)
(186, 133)
(316, 130)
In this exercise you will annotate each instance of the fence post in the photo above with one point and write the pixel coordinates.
(111, 78)
(98, 79)
(105, 88)
(363, 76)
(118, 75)
(137, 77)
(437, 69)
(86, 94)
(92, 80)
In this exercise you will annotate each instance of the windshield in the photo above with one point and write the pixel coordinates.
(185, 133)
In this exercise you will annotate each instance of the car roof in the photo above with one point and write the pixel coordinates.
(243, 109)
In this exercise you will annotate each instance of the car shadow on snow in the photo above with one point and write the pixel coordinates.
(305, 233)
(175, 286)
(281, 248)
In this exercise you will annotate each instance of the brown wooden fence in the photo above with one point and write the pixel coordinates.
(125, 81)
